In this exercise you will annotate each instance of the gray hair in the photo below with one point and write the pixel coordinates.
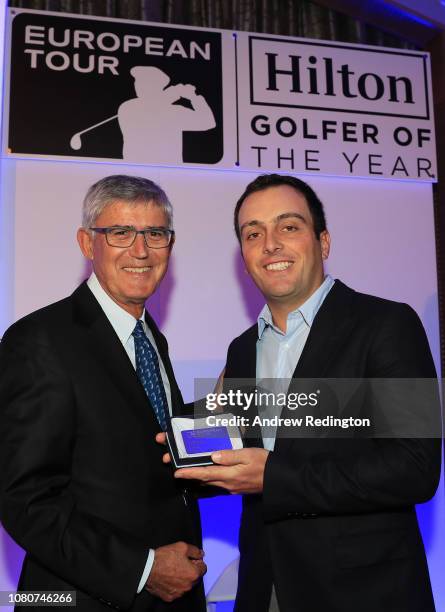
(129, 189)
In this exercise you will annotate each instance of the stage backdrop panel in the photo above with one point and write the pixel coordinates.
(174, 95)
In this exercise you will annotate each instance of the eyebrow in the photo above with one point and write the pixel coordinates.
(288, 215)
(147, 227)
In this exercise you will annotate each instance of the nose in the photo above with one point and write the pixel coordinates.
(272, 242)
(139, 249)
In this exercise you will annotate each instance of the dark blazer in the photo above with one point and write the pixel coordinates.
(83, 487)
(335, 529)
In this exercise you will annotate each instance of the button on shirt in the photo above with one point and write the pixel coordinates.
(278, 352)
(123, 324)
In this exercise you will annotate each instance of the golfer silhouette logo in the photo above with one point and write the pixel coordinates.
(152, 123)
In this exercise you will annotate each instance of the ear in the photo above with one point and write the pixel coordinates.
(325, 243)
(85, 240)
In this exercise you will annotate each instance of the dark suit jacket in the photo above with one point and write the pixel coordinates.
(83, 487)
(335, 528)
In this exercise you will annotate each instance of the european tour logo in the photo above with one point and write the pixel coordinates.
(119, 90)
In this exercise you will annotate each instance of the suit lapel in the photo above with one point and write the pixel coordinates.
(329, 330)
(245, 368)
(111, 355)
(247, 363)
(176, 396)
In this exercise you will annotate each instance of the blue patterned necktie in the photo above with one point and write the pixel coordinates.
(147, 369)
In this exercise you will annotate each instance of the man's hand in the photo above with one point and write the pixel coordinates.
(176, 569)
(161, 438)
(238, 471)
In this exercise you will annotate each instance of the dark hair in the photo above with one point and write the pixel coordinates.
(264, 181)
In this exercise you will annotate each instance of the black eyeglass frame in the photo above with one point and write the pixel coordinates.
(107, 230)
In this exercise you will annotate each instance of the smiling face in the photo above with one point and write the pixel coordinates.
(129, 275)
(279, 246)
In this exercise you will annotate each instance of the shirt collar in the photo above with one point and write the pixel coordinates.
(307, 310)
(122, 321)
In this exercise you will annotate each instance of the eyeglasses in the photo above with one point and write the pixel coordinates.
(124, 236)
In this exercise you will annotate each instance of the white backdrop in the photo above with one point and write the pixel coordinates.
(382, 243)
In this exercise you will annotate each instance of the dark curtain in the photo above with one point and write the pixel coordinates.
(287, 17)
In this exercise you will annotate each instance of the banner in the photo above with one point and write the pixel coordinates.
(111, 90)
(328, 108)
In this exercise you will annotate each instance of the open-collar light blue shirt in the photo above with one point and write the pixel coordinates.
(278, 352)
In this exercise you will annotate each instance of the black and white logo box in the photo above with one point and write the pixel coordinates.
(106, 89)
(111, 89)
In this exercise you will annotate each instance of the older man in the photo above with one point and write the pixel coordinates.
(85, 385)
(329, 523)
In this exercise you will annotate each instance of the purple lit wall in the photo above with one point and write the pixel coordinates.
(6, 274)
(383, 243)
(10, 554)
